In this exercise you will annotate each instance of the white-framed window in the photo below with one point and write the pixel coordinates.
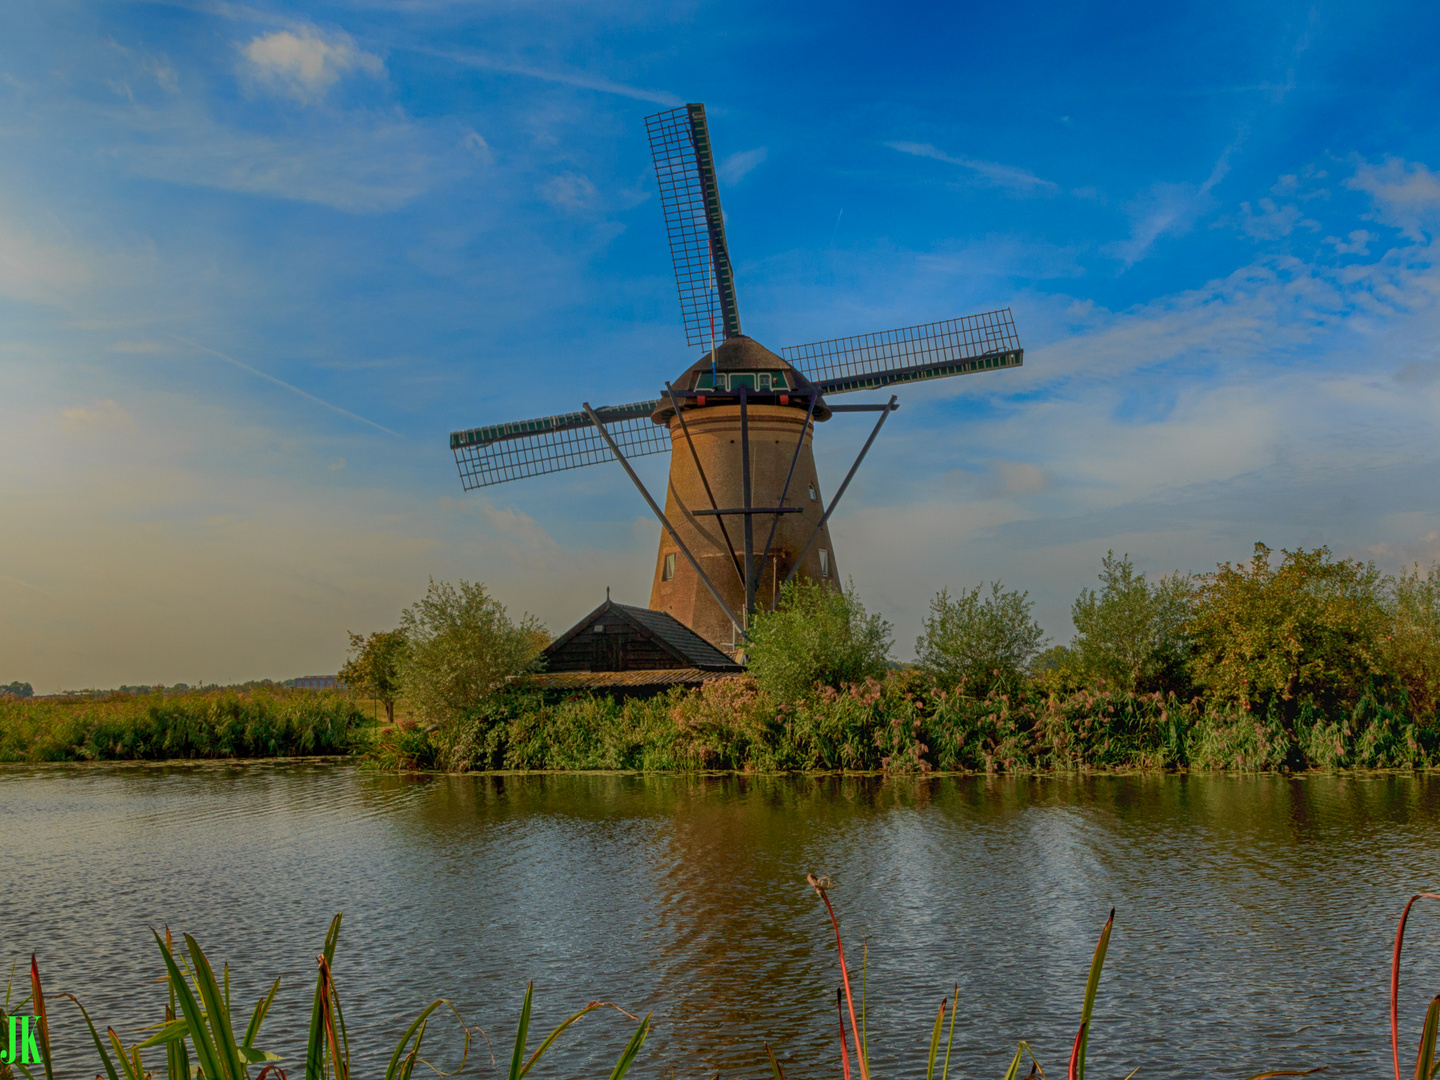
(824, 563)
(667, 573)
(813, 496)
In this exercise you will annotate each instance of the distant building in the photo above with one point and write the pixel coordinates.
(316, 682)
(629, 651)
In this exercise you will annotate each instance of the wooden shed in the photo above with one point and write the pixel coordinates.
(629, 652)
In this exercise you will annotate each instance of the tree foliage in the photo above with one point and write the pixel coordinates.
(1309, 630)
(1131, 634)
(819, 635)
(1411, 649)
(375, 666)
(17, 689)
(462, 646)
(984, 643)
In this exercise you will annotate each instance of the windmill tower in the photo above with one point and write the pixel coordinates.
(744, 511)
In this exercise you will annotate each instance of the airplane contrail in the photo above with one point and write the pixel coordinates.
(281, 382)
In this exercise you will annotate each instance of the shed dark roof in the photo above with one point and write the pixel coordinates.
(681, 638)
(689, 649)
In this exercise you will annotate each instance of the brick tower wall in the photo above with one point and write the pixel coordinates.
(715, 431)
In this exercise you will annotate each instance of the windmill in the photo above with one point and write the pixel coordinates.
(738, 422)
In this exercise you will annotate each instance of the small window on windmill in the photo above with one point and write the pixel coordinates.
(668, 572)
(762, 381)
(812, 493)
(824, 563)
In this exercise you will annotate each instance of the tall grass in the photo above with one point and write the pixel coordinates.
(216, 724)
(908, 723)
(199, 1025)
(1425, 1069)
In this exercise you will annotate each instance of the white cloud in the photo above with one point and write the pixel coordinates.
(738, 165)
(571, 192)
(1407, 195)
(1272, 221)
(1009, 177)
(306, 63)
(1358, 242)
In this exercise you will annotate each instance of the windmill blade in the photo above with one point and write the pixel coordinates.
(690, 197)
(492, 455)
(932, 351)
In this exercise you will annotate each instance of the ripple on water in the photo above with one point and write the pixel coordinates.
(1253, 929)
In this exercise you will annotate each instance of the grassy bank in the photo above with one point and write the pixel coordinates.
(216, 724)
(906, 723)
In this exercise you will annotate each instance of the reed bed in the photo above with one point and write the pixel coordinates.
(265, 722)
(907, 723)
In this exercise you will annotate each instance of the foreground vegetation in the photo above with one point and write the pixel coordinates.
(905, 722)
(215, 724)
(198, 1031)
(1303, 662)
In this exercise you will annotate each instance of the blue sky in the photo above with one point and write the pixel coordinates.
(257, 261)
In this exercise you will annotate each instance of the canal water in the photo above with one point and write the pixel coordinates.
(1253, 928)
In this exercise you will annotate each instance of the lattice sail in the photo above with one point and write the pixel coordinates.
(492, 455)
(930, 351)
(690, 197)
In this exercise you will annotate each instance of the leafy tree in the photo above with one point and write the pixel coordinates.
(818, 635)
(1411, 648)
(375, 667)
(986, 643)
(462, 646)
(17, 689)
(1132, 634)
(1308, 630)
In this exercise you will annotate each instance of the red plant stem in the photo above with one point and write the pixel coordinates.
(1395, 980)
(844, 1051)
(1075, 1050)
(845, 976)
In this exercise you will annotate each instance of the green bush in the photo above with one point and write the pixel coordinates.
(980, 644)
(819, 636)
(1132, 635)
(1271, 639)
(1410, 651)
(461, 646)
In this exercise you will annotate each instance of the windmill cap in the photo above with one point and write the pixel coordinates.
(740, 353)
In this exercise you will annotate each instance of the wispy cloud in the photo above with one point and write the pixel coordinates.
(281, 382)
(1009, 177)
(564, 78)
(361, 164)
(738, 165)
(1169, 209)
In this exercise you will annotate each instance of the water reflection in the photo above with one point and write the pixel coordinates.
(1253, 930)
